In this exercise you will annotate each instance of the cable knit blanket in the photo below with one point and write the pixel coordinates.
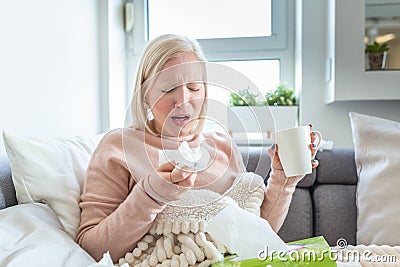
(179, 236)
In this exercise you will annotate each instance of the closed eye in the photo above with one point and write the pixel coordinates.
(195, 86)
(168, 91)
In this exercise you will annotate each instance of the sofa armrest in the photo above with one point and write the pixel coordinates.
(7, 190)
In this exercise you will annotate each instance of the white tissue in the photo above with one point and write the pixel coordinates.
(325, 144)
(244, 233)
(191, 155)
(106, 261)
(185, 157)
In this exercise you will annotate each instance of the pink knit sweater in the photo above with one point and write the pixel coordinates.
(120, 200)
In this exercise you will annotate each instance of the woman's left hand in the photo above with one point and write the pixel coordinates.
(276, 162)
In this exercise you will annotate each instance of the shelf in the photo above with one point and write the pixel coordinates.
(346, 78)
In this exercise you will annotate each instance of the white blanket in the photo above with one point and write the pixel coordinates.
(32, 235)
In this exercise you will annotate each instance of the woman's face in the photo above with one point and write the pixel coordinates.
(177, 95)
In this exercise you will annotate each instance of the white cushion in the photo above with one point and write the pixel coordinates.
(51, 171)
(31, 234)
(377, 155)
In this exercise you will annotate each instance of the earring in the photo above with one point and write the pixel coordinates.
(150, 115)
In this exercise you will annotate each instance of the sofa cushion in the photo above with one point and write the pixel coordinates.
(51, 171)
(337, 167)
(335, 212)
(299, 221)
(256, 159)
(377, 146)
(7, 191)
(308, 180)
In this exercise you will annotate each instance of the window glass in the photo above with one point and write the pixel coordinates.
(207, 19)
(264, 74)
(254, 37)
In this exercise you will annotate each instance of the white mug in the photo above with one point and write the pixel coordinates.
(294, 149)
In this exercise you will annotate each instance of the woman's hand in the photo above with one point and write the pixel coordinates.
(314, 148)
(169, 172)
(276, 162)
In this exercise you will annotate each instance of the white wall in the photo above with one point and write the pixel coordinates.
(49, 67)
(57, 65)
(332, 120)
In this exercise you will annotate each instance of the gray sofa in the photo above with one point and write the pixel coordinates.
(324, 202)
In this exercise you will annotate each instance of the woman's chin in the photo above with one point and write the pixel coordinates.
(182, 128)
(179, 131)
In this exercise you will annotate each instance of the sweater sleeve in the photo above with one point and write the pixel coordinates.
(115, 212)
(277, 197)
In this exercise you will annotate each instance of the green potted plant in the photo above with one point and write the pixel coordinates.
(281, 96)
(277, 110)
(283, 105)
(376, 55)
(243, 112)
(243, 98)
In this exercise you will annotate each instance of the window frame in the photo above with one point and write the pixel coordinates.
(280, 45)
(277, 39)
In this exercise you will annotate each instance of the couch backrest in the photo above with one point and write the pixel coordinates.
(324, 202)
(334, 196)
(7, 191)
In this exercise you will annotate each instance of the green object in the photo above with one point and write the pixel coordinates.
(314, 252)
(376, 48)
(282, 96)
(243, 98)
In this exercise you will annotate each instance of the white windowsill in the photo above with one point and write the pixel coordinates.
(251, 139)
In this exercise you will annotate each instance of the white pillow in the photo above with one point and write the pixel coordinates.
(31, 234)
(377, 155)
(51, 171)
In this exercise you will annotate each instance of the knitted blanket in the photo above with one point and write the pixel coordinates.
(178, 236)
(368, 256)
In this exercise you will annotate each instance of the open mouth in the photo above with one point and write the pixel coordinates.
(181, 119)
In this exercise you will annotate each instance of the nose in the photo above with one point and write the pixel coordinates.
(182, 96)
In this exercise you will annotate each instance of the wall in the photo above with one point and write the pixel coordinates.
(49, 67)
(393, 59)
(331, 119)
(59, 60)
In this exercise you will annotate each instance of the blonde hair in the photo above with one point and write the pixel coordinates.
(154, 57)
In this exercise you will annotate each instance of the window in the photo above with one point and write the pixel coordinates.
(255, 37)
(254, 25)
(264, 74)
(253, 31)
(210, 19)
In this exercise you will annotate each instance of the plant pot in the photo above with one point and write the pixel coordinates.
(376, 60)
(261, 119)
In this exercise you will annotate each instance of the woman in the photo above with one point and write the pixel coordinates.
(130, 194)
